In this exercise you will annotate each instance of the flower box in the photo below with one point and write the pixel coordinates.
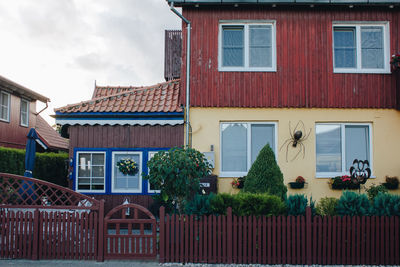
(296, 185)
(390, 186)
(343, 183)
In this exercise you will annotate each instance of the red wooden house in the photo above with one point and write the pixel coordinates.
(119, 123)
(262, 70)
(18, 114)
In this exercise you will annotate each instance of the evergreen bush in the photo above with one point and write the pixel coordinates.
(373, 191)
(221, 202)
(265, 175)
(200, 205)
(297, 204)
(51, 167)
(327, 206)
(386, 205)
(353, 204)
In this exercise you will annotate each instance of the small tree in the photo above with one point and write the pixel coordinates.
(265, 176)
(176, 173)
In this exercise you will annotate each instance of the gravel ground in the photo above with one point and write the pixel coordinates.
(125, 263)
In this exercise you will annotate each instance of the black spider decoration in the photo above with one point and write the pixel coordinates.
(296, 138)
(360, 171)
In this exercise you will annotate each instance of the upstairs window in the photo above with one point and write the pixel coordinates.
(247, 47)
(4, 106)
(362, 48)
(24, 113)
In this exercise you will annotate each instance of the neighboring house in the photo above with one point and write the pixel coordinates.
(259, 67)
(18, 114)
(119, 123)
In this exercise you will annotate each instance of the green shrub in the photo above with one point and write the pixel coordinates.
(353, 204)
(386, 205)
(200, 205)
(177, 172)
(373, 191)
(265, 175)
(327, 206)
(297, 204)
(246, 204)
(51, 167)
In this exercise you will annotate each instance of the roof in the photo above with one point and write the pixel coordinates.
(162, 97)
(21, 90)
(49, 136)
(286, 2)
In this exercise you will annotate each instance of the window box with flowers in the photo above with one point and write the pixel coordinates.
(298, 183)
(343, 182)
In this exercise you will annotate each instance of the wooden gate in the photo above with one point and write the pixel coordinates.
(130, 232)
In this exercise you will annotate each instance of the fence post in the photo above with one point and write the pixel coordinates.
(309, 235)
(229, 232)
(100, 246)
(161, 249)
(36, 232)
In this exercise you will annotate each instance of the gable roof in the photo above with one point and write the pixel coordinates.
(21, 90)
(49, 136)
(162, 97)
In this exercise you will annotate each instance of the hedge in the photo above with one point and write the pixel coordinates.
(49, 167)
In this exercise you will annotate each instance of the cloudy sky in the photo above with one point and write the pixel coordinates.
(58, 48)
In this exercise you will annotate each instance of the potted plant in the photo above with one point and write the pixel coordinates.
(238, 182)
(395, 61)
(298, 183)
(391, 182)
(343, 182)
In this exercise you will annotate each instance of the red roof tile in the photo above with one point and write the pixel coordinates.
(162, 97)
(50, 137)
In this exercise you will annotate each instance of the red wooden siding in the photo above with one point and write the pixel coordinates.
(12, 134)
(304, 76)
(104, 136)
(112, 201)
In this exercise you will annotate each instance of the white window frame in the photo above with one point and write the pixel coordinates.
(150, 156)
(24, 101)
(8, 105)
(236, 173)
(77, 169)
(343, 149)
(357, 26)
(115, 190)
(245, 25)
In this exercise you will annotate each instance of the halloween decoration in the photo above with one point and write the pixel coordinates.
(297, 137)
(360, 171)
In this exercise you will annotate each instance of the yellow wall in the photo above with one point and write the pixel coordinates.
(205, 124)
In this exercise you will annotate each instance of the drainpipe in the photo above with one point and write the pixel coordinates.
(187, 143)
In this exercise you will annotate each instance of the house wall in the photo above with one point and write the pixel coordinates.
(12, 134)
(129, 137)
(385, 146)
(304, 76)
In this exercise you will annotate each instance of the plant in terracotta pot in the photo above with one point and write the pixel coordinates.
(298, 183)
(391, 182)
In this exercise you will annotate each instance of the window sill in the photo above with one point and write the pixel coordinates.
(238, 69)
(232, 174)
(327, 176)
(360, 71)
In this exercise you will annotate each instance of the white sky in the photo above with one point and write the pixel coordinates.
(58, 48)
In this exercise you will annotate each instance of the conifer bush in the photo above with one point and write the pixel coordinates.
(353, 204)
(265, 175)
(327, 206)
(297, 204)
(200, 205)
(386, 205)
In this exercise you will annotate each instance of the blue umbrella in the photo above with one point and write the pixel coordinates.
(29, 163)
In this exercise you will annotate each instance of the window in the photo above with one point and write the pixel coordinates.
(240, 144)
(4, 106)
(125, 182)
(24, 113)
(338, 145)
(151, 188)
(90, 172)
(361, 48)
(247, 47)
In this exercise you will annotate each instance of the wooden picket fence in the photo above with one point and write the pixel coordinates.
(279, 239)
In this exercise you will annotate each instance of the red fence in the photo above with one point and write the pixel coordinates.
(279, 239)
